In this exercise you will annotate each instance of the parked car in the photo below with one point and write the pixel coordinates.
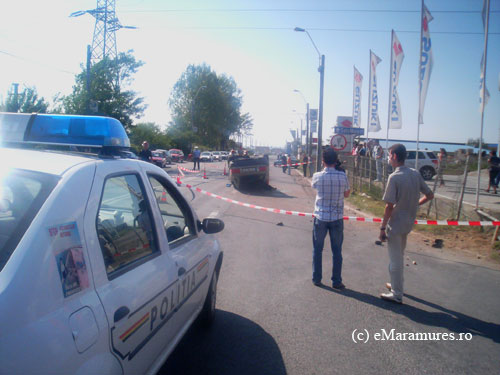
(224, 155)
(128, 154)
(166, 155)
(104, 265)
(177, 155)
(427, 162)
(158, 158)
(216, 156)
(206, 156)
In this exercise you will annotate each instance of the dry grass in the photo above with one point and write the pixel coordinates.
(470, 240)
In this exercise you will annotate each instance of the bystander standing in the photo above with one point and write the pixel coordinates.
(332, 187)
(402, 198)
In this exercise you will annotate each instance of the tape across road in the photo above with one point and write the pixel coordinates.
(188, 170)
(292, 165)
(346, 218)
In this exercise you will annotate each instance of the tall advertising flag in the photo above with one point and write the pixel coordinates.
(397, 56)
(484, 16)
(426, 61)
(373, 119)
(356, 100)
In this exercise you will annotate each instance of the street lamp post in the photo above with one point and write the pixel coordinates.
(321, 70)
(308, 138)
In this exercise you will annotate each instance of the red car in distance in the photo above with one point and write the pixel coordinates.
(177, 155)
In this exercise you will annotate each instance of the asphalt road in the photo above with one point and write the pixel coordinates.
(272, 320)
(453, 186)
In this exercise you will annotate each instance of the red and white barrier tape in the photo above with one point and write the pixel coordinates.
(281, 166)
(187, 170)
(346, 218)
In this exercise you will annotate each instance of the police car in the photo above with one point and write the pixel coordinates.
(103, 264)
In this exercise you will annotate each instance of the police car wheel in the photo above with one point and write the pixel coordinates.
(207, 314)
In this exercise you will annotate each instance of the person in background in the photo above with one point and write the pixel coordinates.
(362, 160)
(332, 187)
(283, 162)
(378, 155)
(494, 169)
(402, 198)
(305, 160)
(289, 163)
(145, 153)
(196, 157)
(355, 154)
(442, 156)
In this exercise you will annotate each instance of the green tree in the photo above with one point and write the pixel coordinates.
(151, 132)
(108, 80)
(206, 109)
(27, 101)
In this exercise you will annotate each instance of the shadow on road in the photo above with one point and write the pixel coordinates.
(262, 189)
(445, 318)
(233, 345)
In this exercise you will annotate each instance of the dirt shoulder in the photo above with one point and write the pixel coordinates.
(466, 244)
(463, 244)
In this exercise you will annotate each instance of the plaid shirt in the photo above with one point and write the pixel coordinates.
(331, 185)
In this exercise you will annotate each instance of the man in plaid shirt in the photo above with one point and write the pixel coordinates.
(332, 187)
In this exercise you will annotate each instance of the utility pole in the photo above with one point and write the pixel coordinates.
(320, 115)
(16, 96)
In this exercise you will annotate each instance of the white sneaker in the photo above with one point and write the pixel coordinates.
(391, 298)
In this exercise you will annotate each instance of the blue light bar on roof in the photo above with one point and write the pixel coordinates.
(89, 131)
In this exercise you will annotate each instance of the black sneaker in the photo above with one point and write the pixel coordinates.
(338, 286)
(317, 283)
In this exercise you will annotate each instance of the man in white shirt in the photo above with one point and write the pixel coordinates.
(402, 197)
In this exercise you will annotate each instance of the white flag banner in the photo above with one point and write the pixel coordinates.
(426, 61)
(356, 100)
(373, 119)
(486, 92)
(484, 100)
(395, 117)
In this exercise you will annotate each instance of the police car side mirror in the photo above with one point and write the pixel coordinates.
(211, 225)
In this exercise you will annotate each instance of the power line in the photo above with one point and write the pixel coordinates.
(323, 29)
(37, 62)
(276, 10)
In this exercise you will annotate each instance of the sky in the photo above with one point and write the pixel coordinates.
(253, 41)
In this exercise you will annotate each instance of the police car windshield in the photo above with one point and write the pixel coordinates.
(22, 193)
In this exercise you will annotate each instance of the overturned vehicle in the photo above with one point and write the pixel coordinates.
(248, 170)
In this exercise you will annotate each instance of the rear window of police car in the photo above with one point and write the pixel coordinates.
(22, 193)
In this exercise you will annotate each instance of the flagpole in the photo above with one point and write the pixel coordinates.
(420, 82)
(369, 97)
(353, 90)
(390, 93)
(483, 92)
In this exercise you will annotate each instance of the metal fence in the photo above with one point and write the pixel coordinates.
(454, 185)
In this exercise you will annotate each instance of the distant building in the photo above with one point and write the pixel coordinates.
(262, 150)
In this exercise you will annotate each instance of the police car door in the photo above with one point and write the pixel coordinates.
(134, 275)
(191, 252)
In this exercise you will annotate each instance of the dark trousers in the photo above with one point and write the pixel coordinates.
(320, 230)
(196, 160)
(304, 167)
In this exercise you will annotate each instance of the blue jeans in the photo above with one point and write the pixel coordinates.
(336, 230)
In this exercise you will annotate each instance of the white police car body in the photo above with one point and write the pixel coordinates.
(103, 263)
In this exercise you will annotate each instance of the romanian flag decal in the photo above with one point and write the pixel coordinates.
(129, 332)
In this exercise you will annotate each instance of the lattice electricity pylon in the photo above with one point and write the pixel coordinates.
(106, 25)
